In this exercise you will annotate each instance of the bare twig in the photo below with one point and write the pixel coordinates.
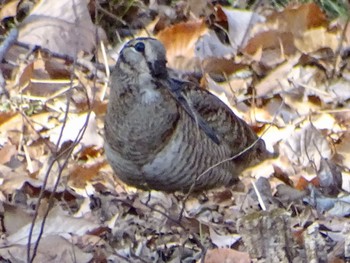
(340, 45)
(4, 47)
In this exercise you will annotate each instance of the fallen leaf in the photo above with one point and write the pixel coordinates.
(6, 153)
(180, 53)
(226, 255)
(9, 9)
(63, 27)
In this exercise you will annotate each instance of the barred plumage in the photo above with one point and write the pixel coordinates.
(169, 135)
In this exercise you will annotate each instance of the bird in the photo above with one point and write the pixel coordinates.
(168, 134)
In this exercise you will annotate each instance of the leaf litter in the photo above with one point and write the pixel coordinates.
(285, 72)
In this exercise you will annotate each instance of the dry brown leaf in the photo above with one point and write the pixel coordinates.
(14, 123)
(298, 19)
(222, 68)
(179, 41)
(24, 75)
(80, 175)
(50, 247)
(226, 255)
(274, 47)
(9, 9)
(6, 153)
(343, 149)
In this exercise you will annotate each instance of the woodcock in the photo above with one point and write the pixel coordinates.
(170, 135)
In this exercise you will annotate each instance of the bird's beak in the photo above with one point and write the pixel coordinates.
(159, 69)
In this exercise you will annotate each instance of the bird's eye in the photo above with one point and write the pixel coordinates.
(140, 47)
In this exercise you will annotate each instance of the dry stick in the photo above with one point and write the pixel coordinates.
(56, 159)
(261, 201)
(201, 246)
(61, 168)
(176, 221)
(51, 198)
(106, 12)
(96, 67)
(250, 23)
(337, 54)
(4, 47)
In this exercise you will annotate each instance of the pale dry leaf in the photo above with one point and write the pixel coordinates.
(49, 171)
(14, 179)
(222, 240)
(306, 146)
(209, 45)
(317, 38)
(73, 128)
(330, 177)
(327, 121)
(53, 227)
(338, 206)
(240, 23)
(346, 181)
(23, 76)
(53, 249)
(264, 169)
(277, 80)
(43, 120)
(339, 91)
(15, 217)
(276, 112)
(64, 27)
(227, 92)
(272, 135)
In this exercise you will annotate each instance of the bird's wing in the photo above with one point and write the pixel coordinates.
(178, 91)
(213, 116)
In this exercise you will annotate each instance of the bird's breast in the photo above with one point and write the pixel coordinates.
(150, 96)
(144, 128)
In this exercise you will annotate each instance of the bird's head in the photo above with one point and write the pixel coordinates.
(144, 56)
